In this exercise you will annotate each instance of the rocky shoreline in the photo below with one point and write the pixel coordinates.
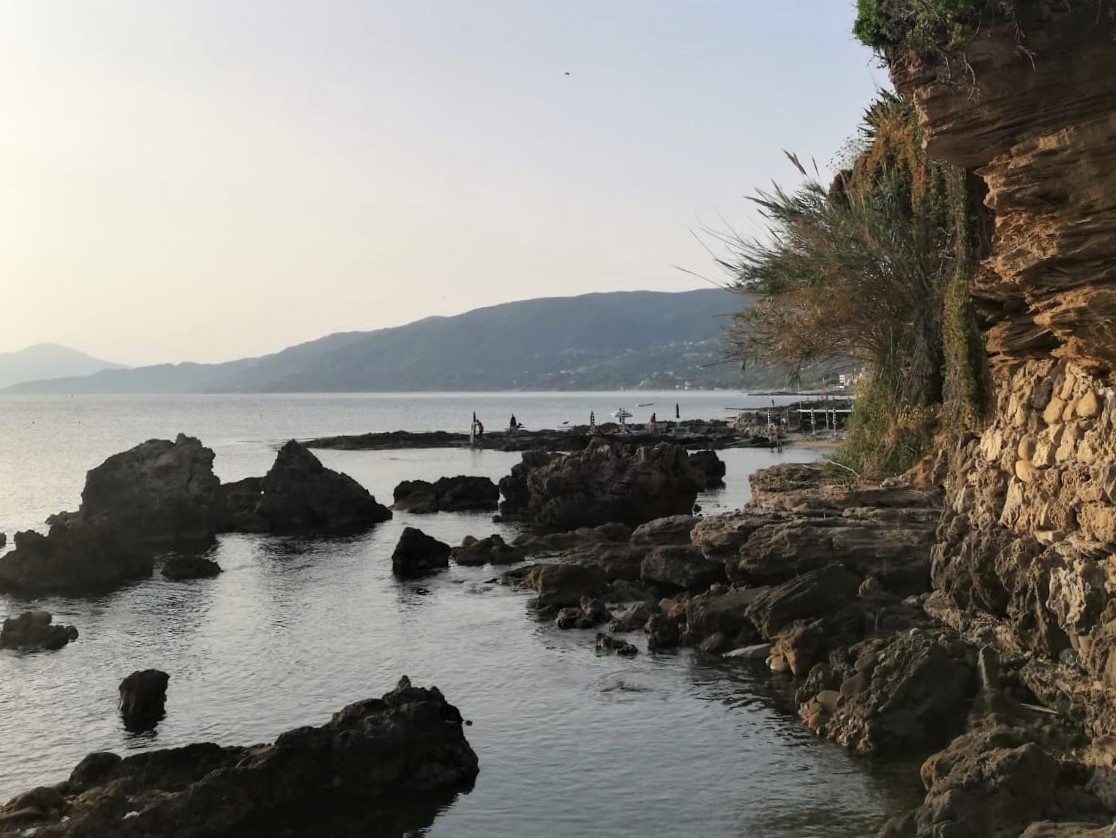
(836, 588)
(831, 586)
(712, 434)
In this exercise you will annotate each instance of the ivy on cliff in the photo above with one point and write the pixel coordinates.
(875, 268)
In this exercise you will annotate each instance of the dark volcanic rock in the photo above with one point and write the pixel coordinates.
(490, 550)
(681, 567)
(79, 556)
(710, 465)
(235, 510)
(149, 498)
(418, 554)
(180, 567)
(34, 630)
(161, 492)
(143, 698)
(605, 482)
(378, 767)
(447, 494)
(300, 495)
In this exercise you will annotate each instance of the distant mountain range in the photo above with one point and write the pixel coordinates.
(605, 341)
(48, 360)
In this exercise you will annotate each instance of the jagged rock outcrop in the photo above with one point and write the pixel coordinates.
(381, 766)
(160, 491)
(33, 630)
(604, 483)
(154, 496)
(300, 495)
(446, 494)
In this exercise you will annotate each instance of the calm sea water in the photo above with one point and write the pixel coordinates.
(569, 741)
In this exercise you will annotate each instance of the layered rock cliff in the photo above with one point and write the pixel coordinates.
(1026, 553)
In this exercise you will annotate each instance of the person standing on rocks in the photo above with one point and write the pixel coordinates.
(513, 426)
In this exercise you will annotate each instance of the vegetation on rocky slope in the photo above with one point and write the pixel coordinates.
(874, 267)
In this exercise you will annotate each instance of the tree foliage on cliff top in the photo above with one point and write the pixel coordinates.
(925, 25)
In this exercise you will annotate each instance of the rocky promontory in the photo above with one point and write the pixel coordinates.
(381, 766)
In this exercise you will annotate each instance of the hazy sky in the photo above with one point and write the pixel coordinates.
(211, 179)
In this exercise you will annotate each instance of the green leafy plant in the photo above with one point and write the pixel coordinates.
(925, 25)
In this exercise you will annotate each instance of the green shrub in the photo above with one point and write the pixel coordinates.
(924, 25)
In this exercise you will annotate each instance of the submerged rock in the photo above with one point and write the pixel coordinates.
(606, 643)
(177, 568)
(418, 554)
(34, 630)
(380, 766)
(143, 698)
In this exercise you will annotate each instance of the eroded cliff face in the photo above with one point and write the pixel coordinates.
(1027, 546)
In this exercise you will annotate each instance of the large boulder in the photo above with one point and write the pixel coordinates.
(418, 554)
(447, 494)
(157, 495)
(143, 698)
(605, 482)
(301, 496)
(34, 630)
(997, 778)
(909, 692)
(161, 492)
(376, 765)
(813, 594)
